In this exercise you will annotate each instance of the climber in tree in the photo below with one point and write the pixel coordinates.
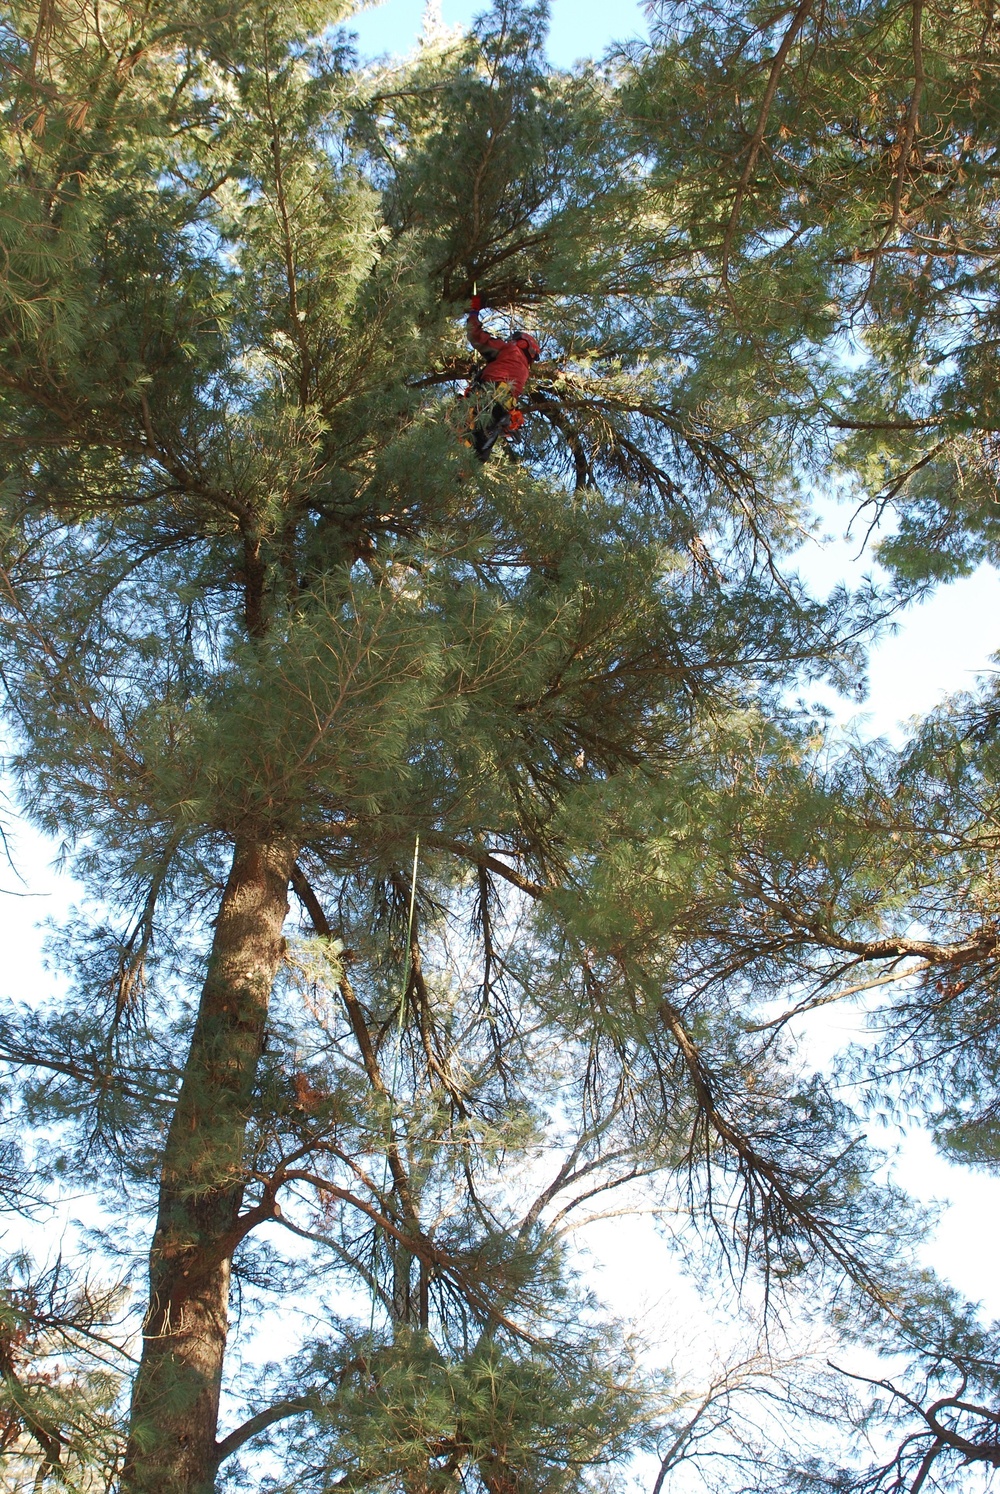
(499, 382)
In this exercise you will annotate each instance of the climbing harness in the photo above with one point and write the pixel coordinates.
(493, 413)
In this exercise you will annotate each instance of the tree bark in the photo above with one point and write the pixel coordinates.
(175, 1401)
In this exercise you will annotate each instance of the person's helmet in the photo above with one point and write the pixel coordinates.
(529, 345)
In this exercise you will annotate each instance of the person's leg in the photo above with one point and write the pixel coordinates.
(489, 427)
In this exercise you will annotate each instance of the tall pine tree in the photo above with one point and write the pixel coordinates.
(514, 740)
(835, 168)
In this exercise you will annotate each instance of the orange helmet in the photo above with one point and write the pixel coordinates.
(528, 345)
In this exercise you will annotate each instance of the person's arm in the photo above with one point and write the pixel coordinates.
(481, 340)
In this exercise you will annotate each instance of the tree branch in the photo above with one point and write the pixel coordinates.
(757, 139)
(280, 1411)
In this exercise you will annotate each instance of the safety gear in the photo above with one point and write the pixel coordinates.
(477, 302)
(494, 413)
(498, 383)
(507, 361)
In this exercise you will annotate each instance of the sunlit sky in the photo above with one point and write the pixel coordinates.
(577, 28)
(940, 647)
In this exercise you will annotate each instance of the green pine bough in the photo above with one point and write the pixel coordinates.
(264, 633)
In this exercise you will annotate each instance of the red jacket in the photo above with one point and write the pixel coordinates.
(506, 363)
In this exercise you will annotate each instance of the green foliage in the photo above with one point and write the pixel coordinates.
(57, 1421)
(509, 1420)
(832, 167)
(255, 596)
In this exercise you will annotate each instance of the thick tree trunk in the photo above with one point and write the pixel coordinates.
(175, 1402)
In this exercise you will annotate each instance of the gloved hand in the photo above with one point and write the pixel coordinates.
(476, 303)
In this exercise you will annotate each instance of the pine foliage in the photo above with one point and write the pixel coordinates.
(518, 739)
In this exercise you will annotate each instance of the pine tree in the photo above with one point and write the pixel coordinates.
(499, 733)
(835, 166)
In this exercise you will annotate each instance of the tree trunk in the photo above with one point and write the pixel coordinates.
(175, 1401)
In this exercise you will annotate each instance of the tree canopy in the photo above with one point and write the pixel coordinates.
(458, 844)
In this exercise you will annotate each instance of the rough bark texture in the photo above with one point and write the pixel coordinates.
(175, 1403)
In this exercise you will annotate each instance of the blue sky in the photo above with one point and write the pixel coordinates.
(579, 28)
